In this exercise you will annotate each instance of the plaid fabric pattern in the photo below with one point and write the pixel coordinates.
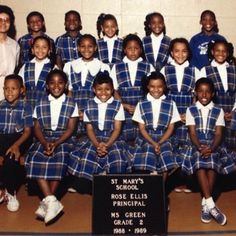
(163, 53)
(103, 51)
(182, 98)
(130, 94)
(44, 114)
(25, 43)
(220, 160)
(81, 93)
(225, 100)
(13, 119)
(35, 92)
(92, 113)
(54, 167)
(66, 47)
(233, 121)
(145, 157)
(84, 161)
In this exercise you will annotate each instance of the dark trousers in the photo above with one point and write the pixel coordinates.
(11, 172)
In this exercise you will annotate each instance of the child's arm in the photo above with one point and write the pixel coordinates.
(39, 135)
(70, 129)
(14, 149)
(115, 134)
(101, 150)
(146, 135)
(217, 138)
(193, 136)
(126, 106)
(59, 62)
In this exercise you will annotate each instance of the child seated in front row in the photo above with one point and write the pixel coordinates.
(15, 129)
(47, 160)
(206, 156)
(103, 151)
(156, 116)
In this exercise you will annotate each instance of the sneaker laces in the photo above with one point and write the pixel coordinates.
(215, 212)
(205, 209)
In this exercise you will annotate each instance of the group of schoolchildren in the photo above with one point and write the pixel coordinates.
(114, 105)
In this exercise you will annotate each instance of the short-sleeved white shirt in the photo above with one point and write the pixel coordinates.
(156, 105)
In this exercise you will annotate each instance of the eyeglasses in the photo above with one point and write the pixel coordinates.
(4, 20)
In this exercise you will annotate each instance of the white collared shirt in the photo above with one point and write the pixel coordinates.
(132, 66)
(156, 105)
(222, 72)
(204, 112)
(38, 68)
(102, 107)
(156, 43)
(83, 67)
(110, 45)
(55, 110)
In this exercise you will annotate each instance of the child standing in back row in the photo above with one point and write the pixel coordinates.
(66, 44)
(36, 27)
(199, 42)
(156, 42)
(47, 160)
(127, 76)
(109, 46)
(34, 73)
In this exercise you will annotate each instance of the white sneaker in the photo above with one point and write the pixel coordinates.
(54, 207)
(12, 202)
(41, 211)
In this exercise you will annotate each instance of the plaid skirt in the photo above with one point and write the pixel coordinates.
(84, 161)
(54, 167)
(145, 157)
(221, 161)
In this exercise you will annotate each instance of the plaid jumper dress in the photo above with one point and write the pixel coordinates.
(85, 161)
(145, 157)
(182, 98)
(163, 54)
(225, 99)
(130, 94)
(53, 167)
(103, 51)
(220, 160)
(35, 92)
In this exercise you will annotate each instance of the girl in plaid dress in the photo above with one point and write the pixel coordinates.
(156, 116)
(127, 76)
(156, 42)
(47, 160)
(223, 75)
(81, 73)
(34, 73)
(206, 157)
(109, 46)
(103, 151)
(15, 128)
(36, 27)
(180, 80)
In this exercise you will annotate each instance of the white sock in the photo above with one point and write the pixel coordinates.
(203, 201)
(210, 203)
